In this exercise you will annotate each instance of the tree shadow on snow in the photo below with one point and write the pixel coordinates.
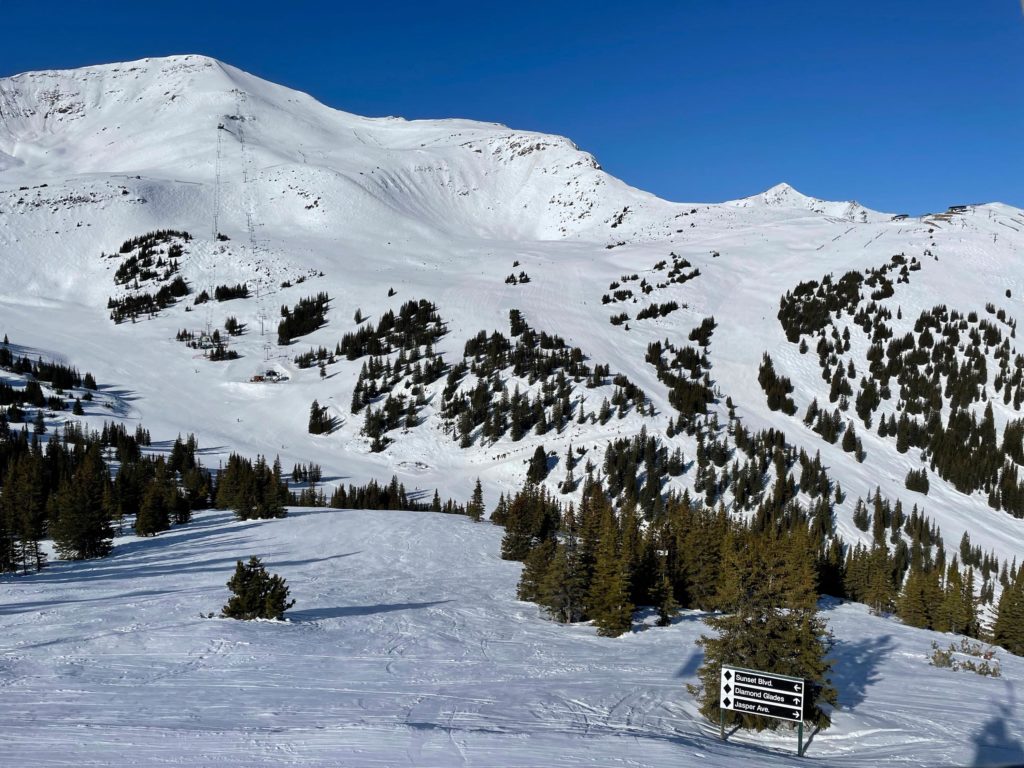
(43, 604)
(310, 511)
(137, 569)
(995, 745)
(689, 669)
(161, 554)
(311, 560)
(318, 614)
(855, 667)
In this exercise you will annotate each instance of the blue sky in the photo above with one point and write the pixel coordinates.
(905, 106)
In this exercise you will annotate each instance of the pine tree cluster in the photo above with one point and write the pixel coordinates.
(57, 375)
(253, 490)
(305, 317)
(152, 281)
(917, 480)
(373, 495)
(229, 292)
(676, 274)
(64, 489)
(941, 370)
(417, 324)
(320, 423)
(134, 305)
(657, 310)
(809, 307)
(535, 358)
(777, 388)
(690, 390)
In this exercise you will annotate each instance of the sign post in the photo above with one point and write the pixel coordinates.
(765, 694)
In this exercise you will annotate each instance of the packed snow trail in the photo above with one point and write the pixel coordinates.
(407, 648)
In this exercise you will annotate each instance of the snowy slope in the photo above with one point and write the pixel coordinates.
(438, 210)
(407, 648)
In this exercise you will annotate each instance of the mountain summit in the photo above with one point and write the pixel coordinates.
(784, 196)
(162, 118)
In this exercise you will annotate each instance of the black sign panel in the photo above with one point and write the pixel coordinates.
(762, 693)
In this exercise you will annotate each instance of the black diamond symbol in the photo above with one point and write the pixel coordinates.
(727, 702)
(728, 688)
(728, 675)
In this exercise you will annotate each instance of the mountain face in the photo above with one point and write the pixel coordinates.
(161, 117)
(447, 301)
(461, 223)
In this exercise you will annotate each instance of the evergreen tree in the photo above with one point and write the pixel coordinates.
(916, 603)
(564, 587)
(475, 508)
(957, 610)
(319, 422)
(849, 439)
(772, 624)
(668, 606)
(879, 591)
(23, 515)
(531, 518)
(154, 514)
(535, 567)
(538, 469)
(608, 599)
(80, 521)
(1008, 629)
(255, 593)
(500, 514)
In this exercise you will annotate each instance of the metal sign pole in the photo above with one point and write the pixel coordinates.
(800, 741)
(721, 722)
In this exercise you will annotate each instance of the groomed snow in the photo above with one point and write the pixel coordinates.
(407, 648)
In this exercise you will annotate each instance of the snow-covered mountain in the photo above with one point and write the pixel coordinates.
(784, 196)
(292, 198)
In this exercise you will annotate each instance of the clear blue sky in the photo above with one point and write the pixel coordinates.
(905, 106)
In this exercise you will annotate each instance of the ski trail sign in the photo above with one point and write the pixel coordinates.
(766, 694)
(762, 693)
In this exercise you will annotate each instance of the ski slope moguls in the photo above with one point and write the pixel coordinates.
(407, 646)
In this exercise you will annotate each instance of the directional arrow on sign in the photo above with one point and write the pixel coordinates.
(768, 696)
(767, 710)
(767, 680)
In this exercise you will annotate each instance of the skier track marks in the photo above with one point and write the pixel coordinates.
(407, 648)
